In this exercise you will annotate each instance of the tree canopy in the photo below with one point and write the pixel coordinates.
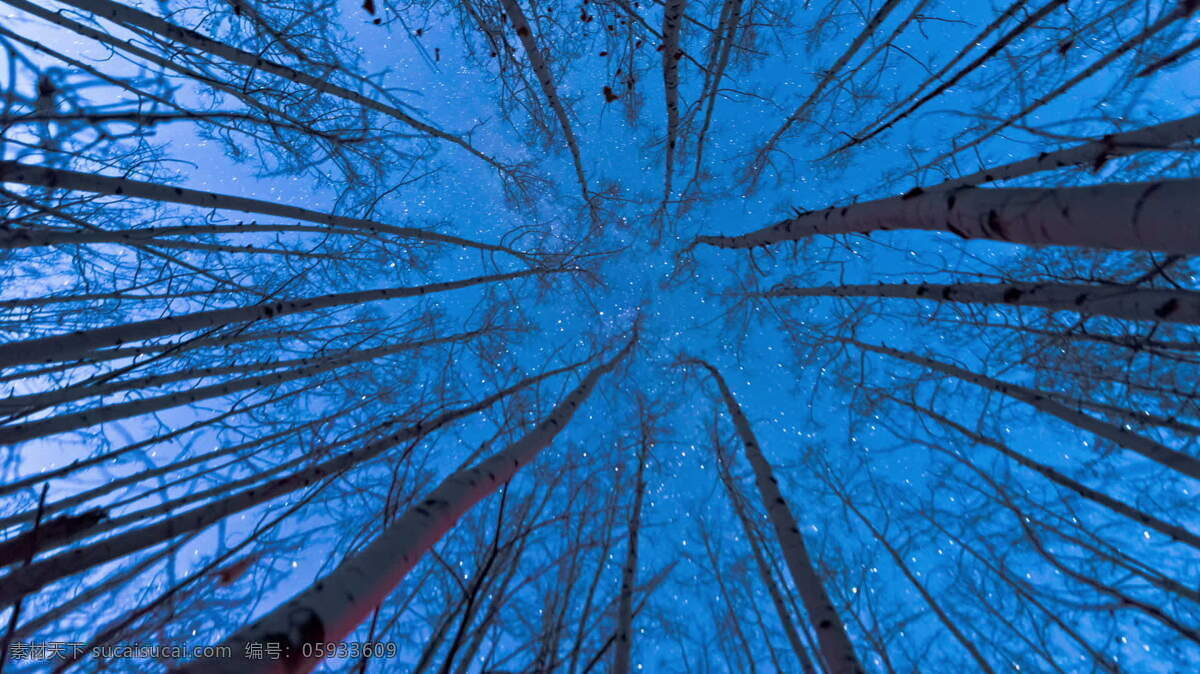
(603, 335)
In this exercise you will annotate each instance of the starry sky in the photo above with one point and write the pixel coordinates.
(809, 399)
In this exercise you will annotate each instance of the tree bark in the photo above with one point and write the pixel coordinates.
(77, 344)
(623, 654)
(44, 176)
(38, 575)
(336, 604)
(721, 49)
(29, 237)
(113, 484)
(1095, 153)
(22, 432)
(1156, 216)
(541, 69)
(672, 18)
(760, 561)
(1118, 301)
(836, 648)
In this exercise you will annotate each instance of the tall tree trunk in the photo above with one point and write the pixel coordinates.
(541, 69)
(92, 416)
(1121, 216)
(76, 344)
(623, 655)
(760, 561)
(175, 349)
(836, 647)
(336, 604)
(83, 464)
(55, 178)
(721, 49)
(1003, 41)
(672, 18)
(1127, 302)
(50, 569)
(1095, 153)
(1181, 10)
(30, 237)
(115, 483)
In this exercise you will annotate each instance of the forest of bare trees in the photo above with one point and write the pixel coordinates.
(600, 336)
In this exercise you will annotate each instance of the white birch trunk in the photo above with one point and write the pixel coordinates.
(175, 348)
(237, 409)
(123, 14)
(1156, 216)
(672, 18)
(764, 570)
(334, 606)
(1175, 460)
(623, 655)
(1158, 137)
(332, 359)
(21, 432)
(35, 576)
(1127, 302)
(28, 237)
(114, 484)
(74, 345)
(100, 590)
(42, 176)
(837, 651)
(26, 404)
(541, 69)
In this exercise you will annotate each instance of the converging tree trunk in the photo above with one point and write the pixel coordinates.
(837, 651)
(760, 561)
(336, 604)
(541, 69)
(672, 18)
(35, 576)
(130, 16)
(1121, 216)
(77, 344)
(44, 176)
(1128, 302)
(623, 651)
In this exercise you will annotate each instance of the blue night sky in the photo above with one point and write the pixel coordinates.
(814, 403)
